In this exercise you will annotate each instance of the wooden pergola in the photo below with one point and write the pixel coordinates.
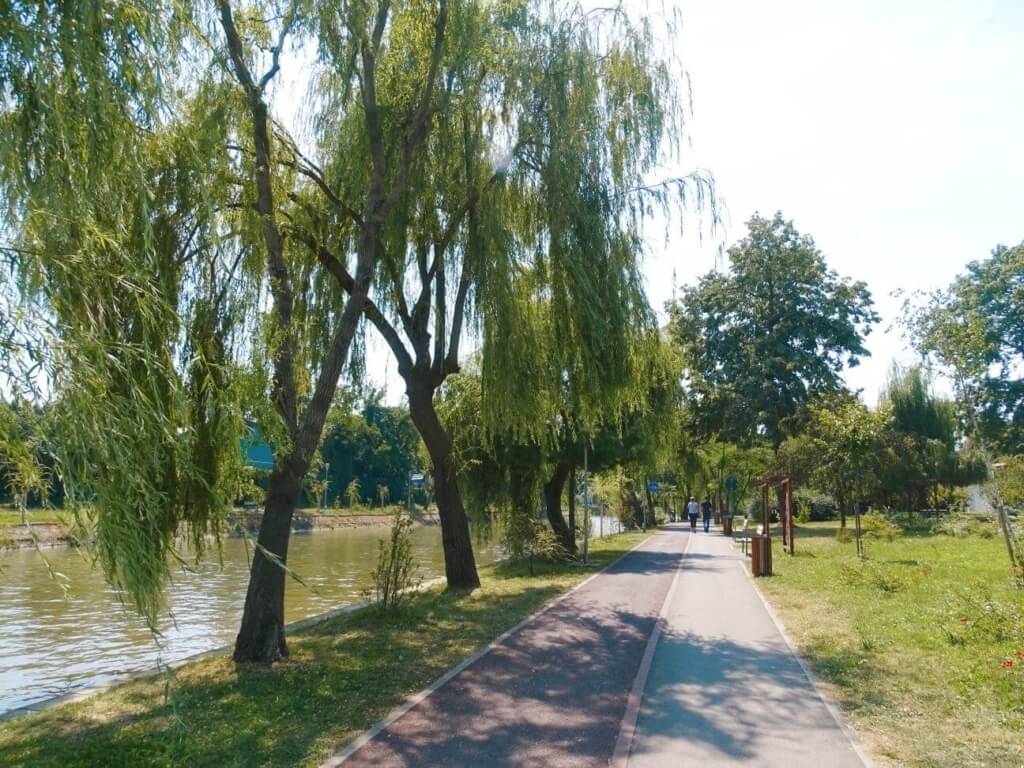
(785, 482)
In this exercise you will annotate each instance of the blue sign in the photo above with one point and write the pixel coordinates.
(256, 451)
(418, 481)
(652, 487)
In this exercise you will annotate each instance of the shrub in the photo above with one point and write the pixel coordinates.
(881, 577)
(879, 526)
(395, 574)
(974, 615)
(959, 526)
(818, 506)
(529, 540)
(844, 536)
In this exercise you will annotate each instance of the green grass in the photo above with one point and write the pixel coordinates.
(334, 511)
(10, 517)
(341, 677)
(912, 642)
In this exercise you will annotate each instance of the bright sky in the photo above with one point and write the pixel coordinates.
(890, 130)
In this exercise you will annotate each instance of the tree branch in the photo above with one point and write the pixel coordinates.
(371, 311)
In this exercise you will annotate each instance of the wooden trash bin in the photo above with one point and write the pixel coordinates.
(727, 525)
(761, 555)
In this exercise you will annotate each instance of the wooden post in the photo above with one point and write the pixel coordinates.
(789, 514)
(765, 518)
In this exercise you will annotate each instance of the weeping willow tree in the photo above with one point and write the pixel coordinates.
(508, 471)
(523, 223)
(191, 261)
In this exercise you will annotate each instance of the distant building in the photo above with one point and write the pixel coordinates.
(256, 451)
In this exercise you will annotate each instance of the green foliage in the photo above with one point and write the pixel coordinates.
(1009, 479)
(922, 444)
(975, 616)
(528, 540)
(975, 330)
(353, 493)
(874, 575)
(764, 339)
(879, 526)
(964, 525)
(813, 505)
(394, 577)
(22, 473)
(844, 442)
(375, 444)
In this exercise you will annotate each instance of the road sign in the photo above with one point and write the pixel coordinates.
(652, 487)
(418, 481)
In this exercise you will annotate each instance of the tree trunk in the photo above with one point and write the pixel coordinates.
(650, 507)
(572, 506)
(553, 506)
(459, 563)
(261, 636)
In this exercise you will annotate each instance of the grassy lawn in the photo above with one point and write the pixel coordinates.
(922, 644)
(342, 676)
(10, 517)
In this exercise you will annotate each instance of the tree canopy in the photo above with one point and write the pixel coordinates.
(765, 338)
(974, 330)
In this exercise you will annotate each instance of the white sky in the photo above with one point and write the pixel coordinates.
(891, 131)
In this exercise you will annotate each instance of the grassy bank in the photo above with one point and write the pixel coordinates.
(342, 676)
(12, 518)
(922, 644)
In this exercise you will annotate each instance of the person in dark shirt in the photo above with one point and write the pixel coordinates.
(705, 509)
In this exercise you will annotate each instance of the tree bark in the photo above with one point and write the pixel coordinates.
(553, 506)
(261, 635)
(572, 506)
(459, 563)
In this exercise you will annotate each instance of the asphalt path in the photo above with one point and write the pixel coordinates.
(724, 687)
(667, 658)
(551, 694)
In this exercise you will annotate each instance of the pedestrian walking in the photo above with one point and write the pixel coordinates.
(691, 510)
(705, 509)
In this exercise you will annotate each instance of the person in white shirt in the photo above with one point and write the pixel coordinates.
(692, 509)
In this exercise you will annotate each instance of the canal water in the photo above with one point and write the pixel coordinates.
(52, 642)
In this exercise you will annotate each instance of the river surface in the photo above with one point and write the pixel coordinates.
(52, 643)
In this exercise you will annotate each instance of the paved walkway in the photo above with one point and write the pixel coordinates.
(724, 688)
(554, 693)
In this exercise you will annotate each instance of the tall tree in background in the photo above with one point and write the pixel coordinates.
(764, 339)
(974, 330)
(923, 441)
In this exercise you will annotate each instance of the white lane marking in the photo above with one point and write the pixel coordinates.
(375, 730)
(627, 730)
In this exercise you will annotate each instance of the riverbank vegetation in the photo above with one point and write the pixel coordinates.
(441, 184)
(340, 677)
(922, 642)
